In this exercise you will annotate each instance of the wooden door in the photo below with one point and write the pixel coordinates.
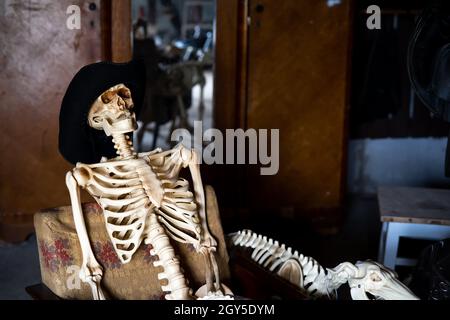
(297, 70)
(39, 56)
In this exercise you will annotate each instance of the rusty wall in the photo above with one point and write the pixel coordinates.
(38, 57)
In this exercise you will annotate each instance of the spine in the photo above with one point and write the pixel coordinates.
(123, 145)
(275, 257)
(176, 282)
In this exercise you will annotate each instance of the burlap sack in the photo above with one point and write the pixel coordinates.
(60, 256)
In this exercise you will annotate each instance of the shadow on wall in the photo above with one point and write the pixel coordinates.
(414, 162)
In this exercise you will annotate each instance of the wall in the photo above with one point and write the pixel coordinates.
(39, 56)
(416, 162)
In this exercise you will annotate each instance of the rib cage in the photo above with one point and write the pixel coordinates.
(118, 190)
(178, 210)
(303, 271)
(129, 191)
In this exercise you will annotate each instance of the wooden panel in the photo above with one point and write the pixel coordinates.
(230, 65)
(297, 82)
(39, 57)
(229, 97)
(105, 21)
(121, 30)
(414, 205)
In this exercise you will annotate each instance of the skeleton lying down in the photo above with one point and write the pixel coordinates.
(143, 199)
(367, 280)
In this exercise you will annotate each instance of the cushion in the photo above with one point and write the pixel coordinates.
(60, 256)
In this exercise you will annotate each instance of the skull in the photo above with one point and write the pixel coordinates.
(379, 281)
(112, 111)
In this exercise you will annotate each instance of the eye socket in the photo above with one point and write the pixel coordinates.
(375, 277)
(107, 97)
(124, 93)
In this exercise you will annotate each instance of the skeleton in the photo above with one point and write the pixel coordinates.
(143, 199)
(366, 279)
(375, 279)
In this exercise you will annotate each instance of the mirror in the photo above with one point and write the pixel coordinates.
(175, 38)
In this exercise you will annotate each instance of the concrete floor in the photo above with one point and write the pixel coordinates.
(19, 268)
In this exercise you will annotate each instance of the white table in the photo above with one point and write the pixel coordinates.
(417, 213)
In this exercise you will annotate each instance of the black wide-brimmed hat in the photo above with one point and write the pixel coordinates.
(429, 59)
(78, 142)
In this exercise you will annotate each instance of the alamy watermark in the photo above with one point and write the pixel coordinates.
(73, 280)
(236, 146)
(73, 21)
(374, 20)
(73, 12)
